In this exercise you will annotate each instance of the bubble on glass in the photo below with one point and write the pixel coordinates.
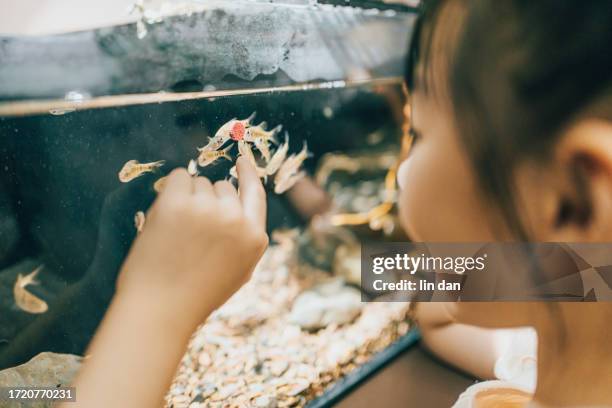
(141, 29)
(328, 112)
(77, 96)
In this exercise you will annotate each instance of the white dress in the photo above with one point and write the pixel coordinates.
(515, 368)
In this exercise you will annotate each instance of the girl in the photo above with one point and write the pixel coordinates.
(511, 113)
(523, 152)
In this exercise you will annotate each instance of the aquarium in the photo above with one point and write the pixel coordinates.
(77, 108)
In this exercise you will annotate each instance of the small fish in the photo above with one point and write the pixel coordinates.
(278, 157)
(234, 129)
(24, 299)
(293, 163)
(259, 132)
(288, 174)
(133, 169)
(192, 168)
(139, 221)
(160, 184)
(210, 156)
(259, 136)
(214, 143)
(262, 145)
(288, 182)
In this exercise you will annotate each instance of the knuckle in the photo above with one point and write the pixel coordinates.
(202, 181)
(211, 210)
(223, 183)
(178, 172)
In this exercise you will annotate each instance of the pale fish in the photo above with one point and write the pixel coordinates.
(261, 138)
(292, 164)
(192, 168)
(139, 221)
(212, 145)
(259, 132)
(262, 145)
(133, 169)
(278, 157)
(24, 299)
(233, 129)
(210, 156)
(287, 174)
(288, 182)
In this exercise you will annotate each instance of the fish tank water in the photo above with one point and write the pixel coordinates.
(76, 107)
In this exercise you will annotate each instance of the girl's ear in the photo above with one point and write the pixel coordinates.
(582, 191)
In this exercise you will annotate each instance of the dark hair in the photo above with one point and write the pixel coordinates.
(520, 71)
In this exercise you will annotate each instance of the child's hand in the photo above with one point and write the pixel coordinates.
(199, 245)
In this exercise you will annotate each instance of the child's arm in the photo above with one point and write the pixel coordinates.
(199, 245)
(469, 348)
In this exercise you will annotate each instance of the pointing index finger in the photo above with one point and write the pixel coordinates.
(179, 182)
(251, 191)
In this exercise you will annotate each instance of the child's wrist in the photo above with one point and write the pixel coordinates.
(166, 312)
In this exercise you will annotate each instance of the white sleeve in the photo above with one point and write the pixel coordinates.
(517, 351)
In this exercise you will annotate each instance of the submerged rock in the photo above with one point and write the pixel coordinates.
(44, 370)
(326, 304)
(347, 263)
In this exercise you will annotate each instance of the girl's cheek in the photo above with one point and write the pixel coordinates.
(402, 173)
(409, 184)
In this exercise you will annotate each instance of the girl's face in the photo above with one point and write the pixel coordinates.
(439, 201)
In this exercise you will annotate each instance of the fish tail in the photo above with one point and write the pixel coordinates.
(152, 166)
(251, 117)
(305, 149)
(275, 132)
(225, 153)
(201, 159)
(29, 279)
